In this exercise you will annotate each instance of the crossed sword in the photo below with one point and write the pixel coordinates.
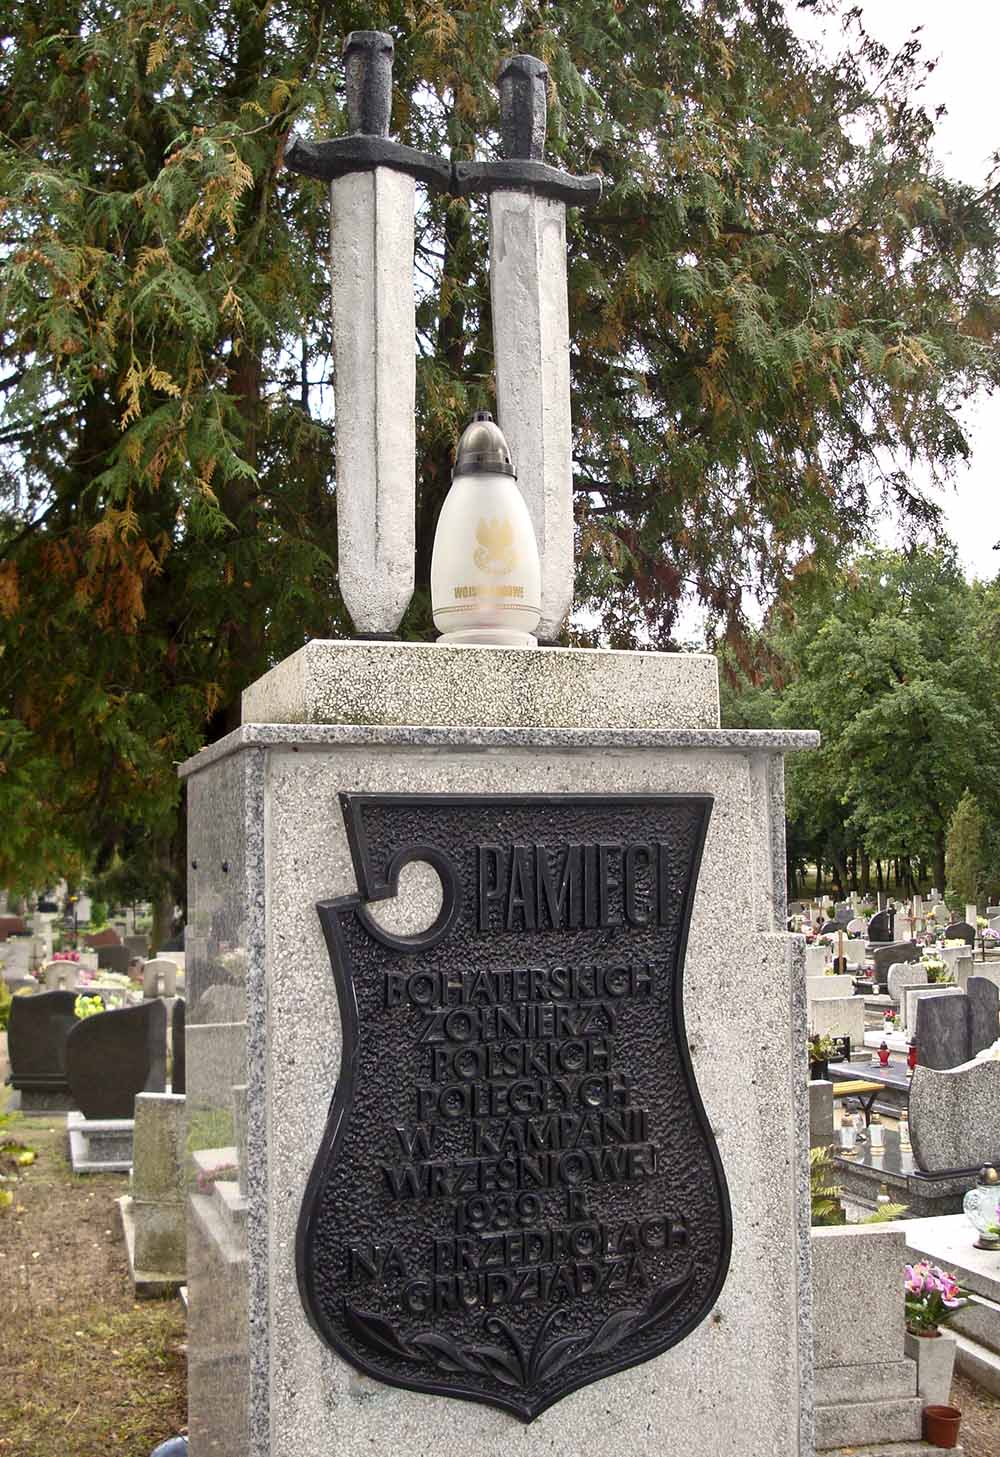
(372, 206)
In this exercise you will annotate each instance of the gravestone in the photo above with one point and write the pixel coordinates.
(941, 913)
(36, 1047)
(854, 953)
(96, 939)
(829, 986)
(12, 926)
(153, 1213)
(821, 1130)
(830, 926)
(137, 946)
(114, 958)
(955, 1117)
(866, 1390)
(905, 973)
(984, 1009)
(843, 913)
(941, 1028)
(857, 926)
(892, 955)
(880, 926)
(159, 978)
(838, 1016)
(903, 927)
(817, 958)
(961, 931)
(115, 1055)
(912, 995)
(178, 1075)
(60, 976)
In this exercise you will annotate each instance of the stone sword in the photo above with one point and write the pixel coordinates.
(372, 187)
(527, 200)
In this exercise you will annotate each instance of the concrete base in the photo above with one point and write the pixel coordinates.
(148, 1284)
(847, 1422)
(893, 1449)
(100, 1145)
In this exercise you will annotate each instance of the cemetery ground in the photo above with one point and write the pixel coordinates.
(84, 1368)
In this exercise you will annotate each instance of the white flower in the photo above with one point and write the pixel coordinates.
(989, 1054)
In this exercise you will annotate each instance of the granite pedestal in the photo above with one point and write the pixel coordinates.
(99, 1145)
(267, 841)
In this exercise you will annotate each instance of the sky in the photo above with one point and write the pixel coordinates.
(964, 37)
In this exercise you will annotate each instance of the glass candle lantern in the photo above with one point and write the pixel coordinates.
(982, 1208)
(485, 575)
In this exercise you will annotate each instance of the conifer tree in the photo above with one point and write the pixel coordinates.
(964, 853)
(779, 289)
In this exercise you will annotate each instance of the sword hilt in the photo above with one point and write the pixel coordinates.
(523, 85)
(368, 74)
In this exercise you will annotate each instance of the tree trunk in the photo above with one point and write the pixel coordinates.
(163, 916)
(939, 872)
(879, 878)
(866, 874)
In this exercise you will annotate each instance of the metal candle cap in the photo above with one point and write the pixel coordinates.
(988, 1175)
(482, 449)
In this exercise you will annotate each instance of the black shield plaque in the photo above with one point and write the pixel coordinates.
(517, 1191)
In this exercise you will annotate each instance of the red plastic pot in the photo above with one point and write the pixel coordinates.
(941, 1425)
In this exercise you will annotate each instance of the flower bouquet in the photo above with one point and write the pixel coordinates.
(931, 1297)
(937, 970)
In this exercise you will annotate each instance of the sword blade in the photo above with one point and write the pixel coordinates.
(531, 348)
(371, 264)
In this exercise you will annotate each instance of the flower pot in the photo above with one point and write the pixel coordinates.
(941, 1425)
(818, 1071)
(935, 1358)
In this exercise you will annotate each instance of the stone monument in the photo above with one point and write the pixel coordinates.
(467, 1018)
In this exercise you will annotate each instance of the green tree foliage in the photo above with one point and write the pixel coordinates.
(779, 286)
(886, 663)
(965, 852)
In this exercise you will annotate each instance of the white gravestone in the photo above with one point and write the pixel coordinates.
(907, 973)
(838, 1017)
(829, 986)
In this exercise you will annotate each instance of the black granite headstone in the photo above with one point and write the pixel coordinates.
(942, 1030)
(880, 926)
(36, 1041)
(984, 1012)
(960, 931)
(896, 951)
(178, 1079)
(115, 1055)
(114, 958)
(829, 927)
